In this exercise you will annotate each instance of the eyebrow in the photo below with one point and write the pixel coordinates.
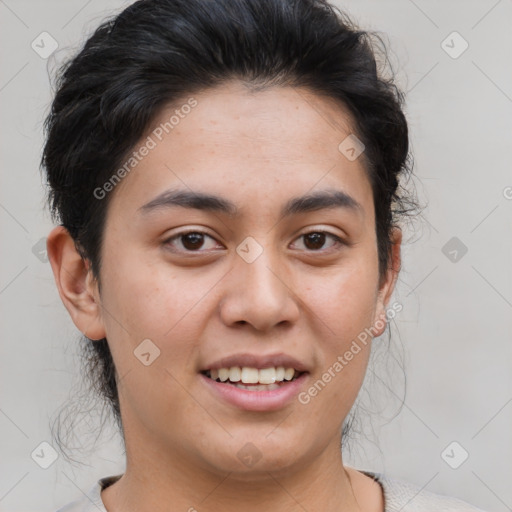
(325, 199)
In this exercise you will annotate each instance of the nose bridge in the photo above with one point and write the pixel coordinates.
(261, 296)
(261, 277)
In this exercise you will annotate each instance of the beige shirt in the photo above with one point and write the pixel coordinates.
(399, 496)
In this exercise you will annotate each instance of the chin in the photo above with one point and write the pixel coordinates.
(253, 457)
(276, 465)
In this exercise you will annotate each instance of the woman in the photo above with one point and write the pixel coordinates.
(226, 179)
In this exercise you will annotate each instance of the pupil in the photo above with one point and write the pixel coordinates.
(318, 240)
(192, 240)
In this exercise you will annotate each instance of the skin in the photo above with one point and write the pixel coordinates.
(258, 150)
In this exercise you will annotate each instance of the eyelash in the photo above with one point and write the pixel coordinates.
(339, 241)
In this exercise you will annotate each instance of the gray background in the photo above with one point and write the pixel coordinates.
(456, 323)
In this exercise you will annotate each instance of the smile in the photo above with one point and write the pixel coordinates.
(253, 379)
(255, 395)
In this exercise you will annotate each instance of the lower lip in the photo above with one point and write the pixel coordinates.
(256, 400)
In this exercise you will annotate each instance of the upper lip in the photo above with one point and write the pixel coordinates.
(257, 361)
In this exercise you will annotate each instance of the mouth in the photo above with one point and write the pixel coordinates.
(254, 379)
(255, 382)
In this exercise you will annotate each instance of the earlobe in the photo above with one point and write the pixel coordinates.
(78, 292)
(388, 285)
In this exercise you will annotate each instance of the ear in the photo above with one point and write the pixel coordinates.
(387, 283)
(77, 288)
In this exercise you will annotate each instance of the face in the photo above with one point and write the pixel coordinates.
(256, 279)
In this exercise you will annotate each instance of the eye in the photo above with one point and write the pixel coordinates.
(314, 240)
(190, 241)
(194, 240)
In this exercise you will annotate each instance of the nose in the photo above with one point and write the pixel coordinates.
(260, 293)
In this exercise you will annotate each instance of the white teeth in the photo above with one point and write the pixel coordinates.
(288, 373)
(223, 374)
(267, 375)
(250, 375)
(235, 374)
(247, 375)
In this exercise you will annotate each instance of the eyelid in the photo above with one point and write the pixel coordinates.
(186, 231)
(322, 229)
(337, 238)
(340, 241)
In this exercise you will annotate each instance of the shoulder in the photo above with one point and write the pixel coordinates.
(91, 501)
(404, 496)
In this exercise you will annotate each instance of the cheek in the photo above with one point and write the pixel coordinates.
(150, 298)
(344, 305)
(344, 300)
(147, 301)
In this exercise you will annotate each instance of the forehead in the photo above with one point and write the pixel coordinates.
(243, 144)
